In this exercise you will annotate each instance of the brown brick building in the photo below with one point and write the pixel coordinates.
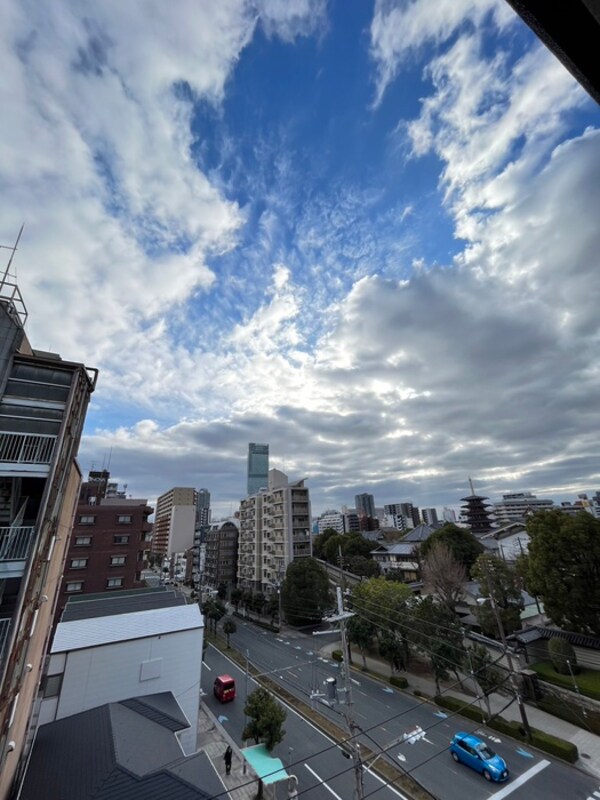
(108, 546)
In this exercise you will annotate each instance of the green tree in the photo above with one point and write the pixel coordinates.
(366, 567)
(214, 610)
(305, 594)
(236, 597)
(350, 545)
(385, 604)
(500, 585)
(438, 635)
(562, 655)
(392, 649)
(272, 607)
(265, 719)
(464, 547)
(563, 568)
(258, 602)
(229, 627)
(222, 591)
(361, 632)
(321, 540)
(489, 677)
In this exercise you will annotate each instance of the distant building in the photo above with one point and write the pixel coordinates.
(476, 513)
(174, 521)
(333, 520)
(449, 515)
(43, 403)
(258, 468)
(203, 507)
(403, 516)
(365, 505)
(220, 561)
(274, 531)
(401, 557)
(429, 515)
(107, 549)
(518, 505)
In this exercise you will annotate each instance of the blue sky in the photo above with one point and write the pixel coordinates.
(359, 231)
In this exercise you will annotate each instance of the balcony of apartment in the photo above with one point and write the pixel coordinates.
(15, 547)
(26, 453)
(4, 634)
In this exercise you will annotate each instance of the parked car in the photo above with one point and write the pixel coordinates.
(477, 754)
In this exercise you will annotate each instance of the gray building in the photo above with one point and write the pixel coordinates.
(258, 467)
(203, 508)
(429, 515)
(365, 505)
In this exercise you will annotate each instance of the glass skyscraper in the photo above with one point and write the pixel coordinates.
(258, 467)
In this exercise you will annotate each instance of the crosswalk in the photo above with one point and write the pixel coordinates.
(595, 795)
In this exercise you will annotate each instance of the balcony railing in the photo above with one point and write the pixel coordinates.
(4, 631)
(26, 448)
(15, 543)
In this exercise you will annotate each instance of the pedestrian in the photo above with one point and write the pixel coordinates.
(228, 756)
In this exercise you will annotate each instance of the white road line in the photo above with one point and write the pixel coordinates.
(387, 785)
(596, 794)
(322, 782)
(204, 664)
(509, 788)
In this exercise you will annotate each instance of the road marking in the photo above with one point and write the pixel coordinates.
(204, 664)
(524, 753)
(526, 776)
(322, 782)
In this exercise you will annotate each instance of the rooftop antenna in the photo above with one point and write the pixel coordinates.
(12, 255)
(109, 458)
(8, 284)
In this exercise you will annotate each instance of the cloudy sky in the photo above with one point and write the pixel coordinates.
(362, 232)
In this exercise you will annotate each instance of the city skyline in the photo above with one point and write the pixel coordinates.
(360, 232)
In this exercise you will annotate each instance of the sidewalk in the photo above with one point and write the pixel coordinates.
(213, 740)
(588, 744)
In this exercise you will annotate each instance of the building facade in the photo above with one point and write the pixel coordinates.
(174, 521)
(43, 402)
(274, 531)
(108, 547)
(258, 468)
(518, 505)
(221, 551)
(365, 505)
(429, 515)
(203, 508)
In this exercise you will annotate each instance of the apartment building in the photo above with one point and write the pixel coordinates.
(43, 402)
(518, 505)
(175, 521)
(221, 553)
(274, 531)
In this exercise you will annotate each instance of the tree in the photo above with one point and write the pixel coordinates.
(222, 591)
(321, 540)
(487, 675)
(350, 544)
(305, 592)
(272, 607)
(214, 610)
(563, 568)
(385, 604)
(562, 656)
(366, 567)
(500, 585)
(444, 575)
(392, 649)
(361, 632)
(265, 718)
(229, 627)
(236, 597)
(464, 547)
(438, 635)
(258, 602)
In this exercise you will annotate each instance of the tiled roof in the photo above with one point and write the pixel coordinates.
(540, 632)
(114, 753)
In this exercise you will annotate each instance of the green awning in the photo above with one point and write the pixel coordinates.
(269, 769)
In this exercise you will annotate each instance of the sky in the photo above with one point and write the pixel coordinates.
(362, 232)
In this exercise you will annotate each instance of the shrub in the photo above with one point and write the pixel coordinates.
(459, 707)
(560, 652)
(337, 655)
(555, 746)
(572, 714)
(399, 681)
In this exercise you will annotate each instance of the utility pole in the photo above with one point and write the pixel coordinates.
(342, 617)
(508, 653)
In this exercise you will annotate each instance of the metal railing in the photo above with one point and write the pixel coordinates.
(4, 631)
(26, 448)
(15, 543)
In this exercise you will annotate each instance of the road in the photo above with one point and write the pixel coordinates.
(413, 733)
(322, 770)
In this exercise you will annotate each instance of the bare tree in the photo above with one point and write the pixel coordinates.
(444, 576)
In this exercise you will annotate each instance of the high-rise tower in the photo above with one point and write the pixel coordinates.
(258, 467)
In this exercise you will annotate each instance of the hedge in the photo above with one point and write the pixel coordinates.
(399, 681)
(337, 655)
(588, 680)
(573, 715)
(545, 741)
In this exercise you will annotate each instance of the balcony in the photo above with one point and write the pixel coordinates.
(26, 453)
(15, 546)
(4, 631)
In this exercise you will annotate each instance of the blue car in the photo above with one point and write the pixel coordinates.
(468, 749)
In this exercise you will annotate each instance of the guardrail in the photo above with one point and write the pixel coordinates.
(26, 448)
(15, 543)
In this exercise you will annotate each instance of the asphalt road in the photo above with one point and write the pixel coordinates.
(322, 770)
(412, 733)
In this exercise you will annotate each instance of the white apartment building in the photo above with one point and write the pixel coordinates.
(332, 519)
(274, 531)
(175, 521)
(518, 505)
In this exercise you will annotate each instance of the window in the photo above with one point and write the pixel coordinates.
(124, 539)
(117, 561)
(79, 563)
(74, 586)
(80, 541)
(87, 519)
(113, 583)
(51, 685)
(124, 519)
